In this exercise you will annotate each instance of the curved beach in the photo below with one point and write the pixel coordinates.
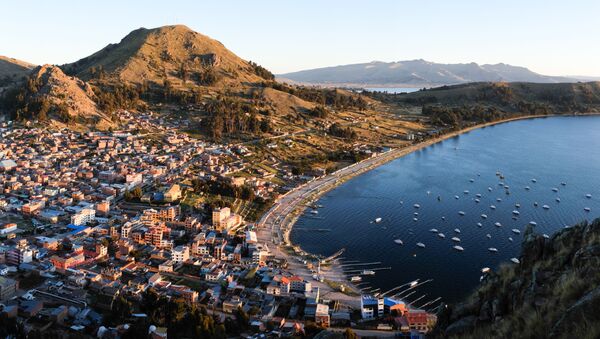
(276, 224)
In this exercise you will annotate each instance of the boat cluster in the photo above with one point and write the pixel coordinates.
(515, 215)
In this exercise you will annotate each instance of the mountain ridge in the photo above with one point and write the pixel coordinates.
(416, 73)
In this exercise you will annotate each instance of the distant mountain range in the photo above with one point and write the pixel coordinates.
(418, 73)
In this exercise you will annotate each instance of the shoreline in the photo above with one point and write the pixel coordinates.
(279, 220)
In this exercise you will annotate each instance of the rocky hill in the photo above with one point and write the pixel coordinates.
(416, 73)
(50, 96)
(554, 292)
(173, 54)
(13, 70)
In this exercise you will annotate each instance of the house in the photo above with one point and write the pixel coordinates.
(322, 315)
(371, 307)
(8, 288)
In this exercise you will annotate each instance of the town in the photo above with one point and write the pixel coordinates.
(93, 224)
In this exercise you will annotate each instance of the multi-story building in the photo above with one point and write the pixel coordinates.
(8, 288)
(224, 220)
(371, 307)
(84, 216)
(180, 254)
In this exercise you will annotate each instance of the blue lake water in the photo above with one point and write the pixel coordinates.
(393, 90)
(552, 150)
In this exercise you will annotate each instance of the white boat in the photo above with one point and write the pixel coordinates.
(489, 189)
(441, 235)
(443, 218)
(417, 206)
(557, 199)
(493, 249)
(421, 245)
(546, 236)
(535, 204)
(517, 205)
(477, 201)
(533, 180)
(510, 239)
(498, 224)
(466, 192)
(471, 180)
(458, 248)
(377, 220)
(492, 207)
(554, 189)
(563, 183)
(457, 230)
(587, 209)
(499, 199)
(506, 187)
(434, 230)
(314, 212)
(527, 188)
(516, 231)
(456, 239)
(416, 214)
(399, 241)
(546, 207)
(461, 213)
(485, 270)
(479, 224)
(415, 219)
(533, 223)
(478, 195)
(488, 236)
(484, 216)
(515, 212)
(515, 260)
(355, 278)
(368, 272)
(456, 197)
(589, 196)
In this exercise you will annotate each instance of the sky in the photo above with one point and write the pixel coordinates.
(549, 37)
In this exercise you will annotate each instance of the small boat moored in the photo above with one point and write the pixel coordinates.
(458, 248)
(493, 249)
(515, 260)
(421, 245)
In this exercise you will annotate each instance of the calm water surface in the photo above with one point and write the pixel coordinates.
(551, 150)
(393, 90)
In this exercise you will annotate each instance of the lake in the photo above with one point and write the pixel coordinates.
(553, 151)
(393, 90)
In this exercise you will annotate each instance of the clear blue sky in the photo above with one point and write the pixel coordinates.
(550, 37)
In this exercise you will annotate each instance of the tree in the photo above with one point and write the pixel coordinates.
(349, 334)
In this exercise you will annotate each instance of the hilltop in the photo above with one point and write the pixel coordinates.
(48, 95)
(488, 101)
(554, 292)
(416, 73)
(12, 70)
(173, 54)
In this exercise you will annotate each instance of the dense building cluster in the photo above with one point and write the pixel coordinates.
(90, 223)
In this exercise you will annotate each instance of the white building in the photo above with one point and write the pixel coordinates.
(180, 254)
(84, 216)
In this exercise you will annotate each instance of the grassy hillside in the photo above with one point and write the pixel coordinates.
(12, 70)
(169, 54)
(482, 102)
(49, 96)
(553, 293)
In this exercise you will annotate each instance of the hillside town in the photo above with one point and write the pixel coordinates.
(92, 223)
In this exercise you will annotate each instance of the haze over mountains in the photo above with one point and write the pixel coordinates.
(416, 73)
